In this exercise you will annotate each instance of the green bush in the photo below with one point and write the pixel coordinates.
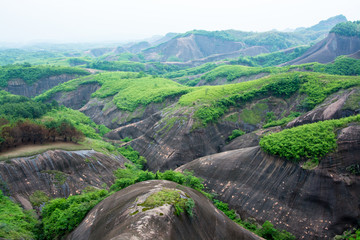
(15, 223)
(31, 74)
(60, 216)
(309, 141)
(235, 133)
(283, 121)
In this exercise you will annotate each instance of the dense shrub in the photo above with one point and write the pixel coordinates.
(15, 223)
(309, 141)
(31, 74)
(61, 216)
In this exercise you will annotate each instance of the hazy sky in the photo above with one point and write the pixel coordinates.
(114, 20)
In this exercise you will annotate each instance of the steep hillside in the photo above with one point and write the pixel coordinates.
(199, 45)
(203, 119)
(126, 215)
(311, 204)
(343, 39)
(114, 99)
(30, 80)
(56, 173)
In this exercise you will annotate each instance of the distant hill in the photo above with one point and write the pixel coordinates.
(200, 44)
(343, 39)
(325, 25)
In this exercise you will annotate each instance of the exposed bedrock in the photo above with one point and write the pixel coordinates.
(104, 111)
(120, 217)
(312, 204)
(339, 105)
(57, 173)
(19, 87)
(77, 98)
(327, 50)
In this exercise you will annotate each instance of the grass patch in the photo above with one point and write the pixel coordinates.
(172, 197)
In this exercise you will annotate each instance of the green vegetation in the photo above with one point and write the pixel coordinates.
(128, 94)
(59, 177)
(11, 56)
(38, 198)
(60, 216)
(212, 102)
(232, 72)
(349, 29)
(282, 121)
(15, 223)
(129, 90)
(172, 197)
(309, 141)
(191, 71)
(266, 231)
(270, 59)
(77, 119)
(14, 107)
(235, 133)
(126, 139)
(351, 234)
(31, 74)
(130, 66)
(133, 156)
(341, 66)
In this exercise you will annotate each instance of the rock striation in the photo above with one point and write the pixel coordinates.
(57, 173)
(311, 204)
(120, 217)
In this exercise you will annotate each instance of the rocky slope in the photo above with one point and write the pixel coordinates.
(312, 204)
(19, 87)
(327, 50)
(57, 173)
(120, 216)
(157, 138)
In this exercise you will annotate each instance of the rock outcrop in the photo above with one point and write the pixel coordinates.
(19, 87)
(335, 106)
(312, 204)
(57, 173)
(77, 98)
(327, 50)
(120, 217)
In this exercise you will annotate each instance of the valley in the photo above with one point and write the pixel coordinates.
(197, 135)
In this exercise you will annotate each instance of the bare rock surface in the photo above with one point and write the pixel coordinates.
(332, 108)
(19, 87)
(328, 49)
(57, 173)
(120, 217)
(312, 204)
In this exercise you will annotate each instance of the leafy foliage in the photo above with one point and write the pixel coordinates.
(270, 59)
(282, 121)
(61, 216)
(77, 119)
(180, 202)
(232, 72)
(309, 141)
(15, 223)
(133, 156)
(266, 231)
(129, 90)
(31, 74)
(349, 29)
(235, 133)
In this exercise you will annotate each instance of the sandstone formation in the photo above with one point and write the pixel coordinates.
(328, 49)
(19, 87)
(57, 173)
(120, 217)
(312, 204)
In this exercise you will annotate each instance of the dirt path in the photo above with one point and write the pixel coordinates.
(32, 149)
